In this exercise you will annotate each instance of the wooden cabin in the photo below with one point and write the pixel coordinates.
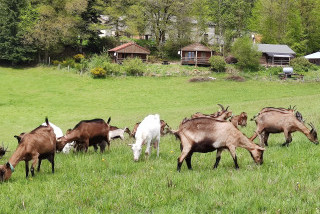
(275, 55)
(195, 54)
(128, 50)
(314, 58)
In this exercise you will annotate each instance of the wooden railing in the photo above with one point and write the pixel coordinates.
(194, 60)
(279, 61)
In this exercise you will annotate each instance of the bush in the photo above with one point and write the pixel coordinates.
(275, 70)
(78, 57)
(246, 53)
(98, 61)
(134, 67)
(217, 63)
(301, 64)
(98, 72)
(112, 68)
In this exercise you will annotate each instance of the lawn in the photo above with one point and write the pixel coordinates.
(287, 182)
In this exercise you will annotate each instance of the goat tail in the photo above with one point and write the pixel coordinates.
(47, 121)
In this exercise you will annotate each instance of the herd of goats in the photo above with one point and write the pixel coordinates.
(200, 133)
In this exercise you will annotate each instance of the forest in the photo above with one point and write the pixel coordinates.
(31, 31)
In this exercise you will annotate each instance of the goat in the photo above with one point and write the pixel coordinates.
(3, 150)
(36, 145)
(207, 134)
(240, 120)
(116, 132)
(88, 132)
(277, 120)
(224, 114)
(148, 132)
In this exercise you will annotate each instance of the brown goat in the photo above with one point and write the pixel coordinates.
(36, 145)
(277, 120)
(224, 114)
(240, 120)
(87, 132)
(207, 134)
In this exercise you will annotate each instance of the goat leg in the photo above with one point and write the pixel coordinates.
(288, 139)
(218, 157)
(188, 161)
(39, 164)
(51, 159)
(27, 168)
(234, 156)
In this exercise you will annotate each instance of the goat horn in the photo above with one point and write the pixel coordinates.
(221, 106)
(227, 108)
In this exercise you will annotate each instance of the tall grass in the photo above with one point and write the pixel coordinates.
(287, 182)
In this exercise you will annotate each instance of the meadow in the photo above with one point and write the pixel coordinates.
(287, 182)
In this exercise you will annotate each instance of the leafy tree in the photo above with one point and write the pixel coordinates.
(12, 48)
(246, 53)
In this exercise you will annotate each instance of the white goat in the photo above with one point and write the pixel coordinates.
(148, 132)
(116, 132)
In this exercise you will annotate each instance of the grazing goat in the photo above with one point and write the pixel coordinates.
(164, 128)
(116, 132)
(207, 134)
(148, 132)
(224, 114)
(240, 120)
(87, 132)
(37, 144)
(277, 120)
(3, 150)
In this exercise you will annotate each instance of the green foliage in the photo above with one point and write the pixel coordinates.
(218, 64)
(98, 60)
(246, 53)
(133, 66)
(275, 70)
(98, 72)
(301, 64)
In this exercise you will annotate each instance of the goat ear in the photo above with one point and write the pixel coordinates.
(8, 165)
(18, 138)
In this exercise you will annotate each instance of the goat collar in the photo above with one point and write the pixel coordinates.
(11, 167)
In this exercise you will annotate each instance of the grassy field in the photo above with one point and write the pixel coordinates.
(287, 182)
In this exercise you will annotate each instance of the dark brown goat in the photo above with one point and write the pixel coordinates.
(87, 132)
(36, 145)
(240, 120)
(206, 134)
(164, 129)
(224, 114)
(277, 120)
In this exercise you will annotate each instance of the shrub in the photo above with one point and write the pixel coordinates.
(68, 62)
(98, 72)
(217, 63)
(78, 57)
(301, 64)
(56, 62)
(98, 61)
(275, 70)
(246, 53)
(134, 67)
(112, 68)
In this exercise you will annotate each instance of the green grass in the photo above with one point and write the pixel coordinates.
(113, 183)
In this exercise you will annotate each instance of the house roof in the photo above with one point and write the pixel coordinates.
(196, 47)
(275, 49)
(315, 55)
(130, 47)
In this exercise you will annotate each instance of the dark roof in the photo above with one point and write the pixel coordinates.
(196, 47)
(275, 49)
(130, 47)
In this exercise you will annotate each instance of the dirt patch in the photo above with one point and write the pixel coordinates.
(236, 78)
(201, 79)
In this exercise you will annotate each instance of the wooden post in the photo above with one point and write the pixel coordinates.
(196, 58)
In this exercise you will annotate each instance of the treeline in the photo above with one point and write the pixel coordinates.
(33, 30)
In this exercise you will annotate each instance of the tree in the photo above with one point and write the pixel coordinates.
(246, 53)
(12, 48)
